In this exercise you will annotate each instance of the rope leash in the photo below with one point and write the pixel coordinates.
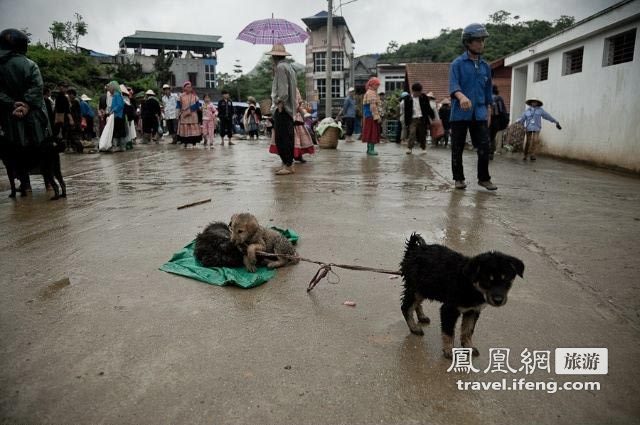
(326, 268)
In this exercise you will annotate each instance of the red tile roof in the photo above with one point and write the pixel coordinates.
(433, 77)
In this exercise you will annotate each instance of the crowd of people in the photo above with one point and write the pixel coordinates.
(474, 107)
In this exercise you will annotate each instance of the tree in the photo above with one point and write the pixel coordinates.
(392, 47)
(500, 17)
(79, 29)
(128, 72)
(68, 33)
(505, 38)
(563, 22)
(162, 66)
(58, 33)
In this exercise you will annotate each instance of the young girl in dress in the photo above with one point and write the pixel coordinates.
(209, 116)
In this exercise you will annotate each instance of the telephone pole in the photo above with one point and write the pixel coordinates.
(328, 62)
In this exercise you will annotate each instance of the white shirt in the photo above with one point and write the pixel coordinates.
(170, 102)
(417, 112)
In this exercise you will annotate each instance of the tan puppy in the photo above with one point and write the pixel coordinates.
(250, 237)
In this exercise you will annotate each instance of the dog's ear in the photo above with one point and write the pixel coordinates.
(233, 218)
(472, 269)
(517, 265)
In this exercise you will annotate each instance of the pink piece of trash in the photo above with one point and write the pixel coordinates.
(350, 303)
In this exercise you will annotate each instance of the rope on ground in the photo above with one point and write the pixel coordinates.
(325, 268)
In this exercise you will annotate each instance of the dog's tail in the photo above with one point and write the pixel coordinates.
(414, 241)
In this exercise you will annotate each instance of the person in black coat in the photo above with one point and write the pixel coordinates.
(417, 113)
(150, 113)
(225, 114)
(445, 114)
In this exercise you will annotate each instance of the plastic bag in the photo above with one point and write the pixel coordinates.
(107, 134)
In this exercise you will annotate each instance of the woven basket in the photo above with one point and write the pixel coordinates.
(329, 139)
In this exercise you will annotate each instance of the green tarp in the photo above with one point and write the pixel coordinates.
(184, 263)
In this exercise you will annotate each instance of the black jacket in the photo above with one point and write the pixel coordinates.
(225, 109)
(102, 103)
(425, 107)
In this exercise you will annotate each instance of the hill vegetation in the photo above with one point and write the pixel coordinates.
(507, 34)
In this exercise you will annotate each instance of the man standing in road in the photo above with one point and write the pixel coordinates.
(283, 106)
(471, 94)
(348, 113)
(225, 114)
(170, 112)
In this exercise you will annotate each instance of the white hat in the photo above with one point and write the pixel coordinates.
(124, 90)
(278, 50)
(85, 97)
(533, 99)
(166, 86)
(150, 92)
(351, 89)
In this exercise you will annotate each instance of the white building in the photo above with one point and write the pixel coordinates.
(588, 77)
(317, 64)
(195, 55)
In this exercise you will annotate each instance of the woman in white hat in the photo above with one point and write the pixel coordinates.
(130, 115)
(532, 120)
(283, 107)
(150, 113)
(88, 115)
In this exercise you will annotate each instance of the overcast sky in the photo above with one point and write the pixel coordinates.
(400, 20)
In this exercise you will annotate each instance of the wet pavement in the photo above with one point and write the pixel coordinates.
(92, 332)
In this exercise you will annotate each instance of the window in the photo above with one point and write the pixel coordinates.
(541, 70)
(193, 78)
(321, 87)
(619, 48)
(393, 83)
(209, 76)
(173, 80)
(335, 88)
(572, 61)
(337, 61)
(320, 62)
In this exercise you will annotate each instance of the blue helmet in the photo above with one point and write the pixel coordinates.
(404, 94)
(472, 31)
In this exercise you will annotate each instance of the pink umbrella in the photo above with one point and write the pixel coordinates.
(273, 31)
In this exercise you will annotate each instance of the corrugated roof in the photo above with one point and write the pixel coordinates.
(434, 77)
(154, 39)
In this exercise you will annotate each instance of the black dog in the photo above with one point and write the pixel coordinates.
(43, 159)
(464, 285)
(215, 249)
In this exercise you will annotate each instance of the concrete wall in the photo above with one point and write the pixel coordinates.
(181, 67)
(598, 108)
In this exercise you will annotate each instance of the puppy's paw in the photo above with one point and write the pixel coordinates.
(251, 268)
(448, 353)
(418, 332)
(425, 320)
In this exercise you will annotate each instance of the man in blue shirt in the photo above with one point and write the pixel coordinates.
(470, 89)
(348, 113)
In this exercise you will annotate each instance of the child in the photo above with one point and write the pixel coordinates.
(209, 115)
(532, 120)
(251, 121)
